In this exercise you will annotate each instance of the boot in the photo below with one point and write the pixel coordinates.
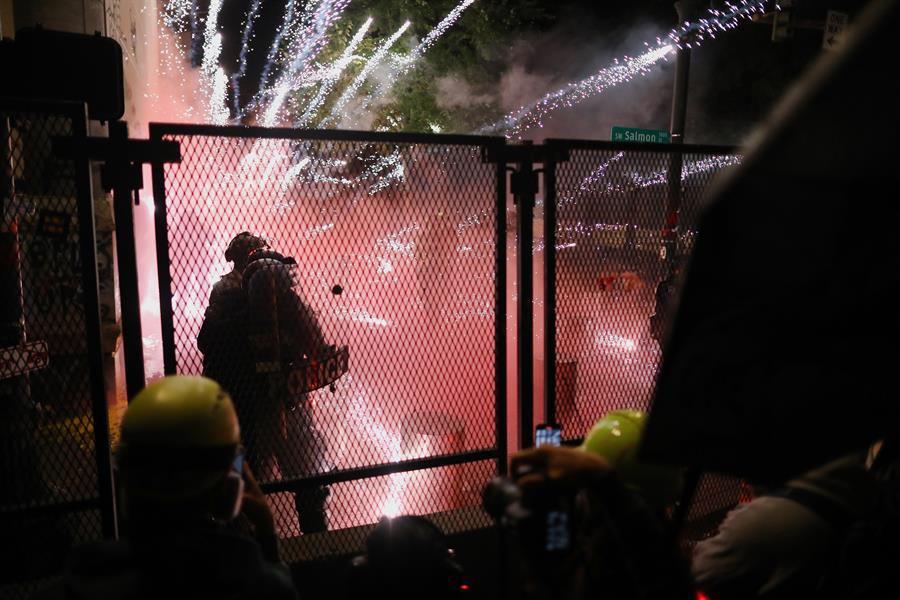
(311, 509)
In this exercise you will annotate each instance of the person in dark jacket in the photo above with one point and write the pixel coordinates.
(183, 484)
(284, 336)
(256, 329)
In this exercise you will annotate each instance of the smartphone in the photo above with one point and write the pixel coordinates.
(557, 537)
(547, 434)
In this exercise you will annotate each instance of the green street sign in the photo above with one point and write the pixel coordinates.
(633, 134)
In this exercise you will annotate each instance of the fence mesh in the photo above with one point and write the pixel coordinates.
(48, 460)
(394, 247)
(615, 286)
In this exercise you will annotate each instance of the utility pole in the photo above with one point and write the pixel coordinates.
(687, 10)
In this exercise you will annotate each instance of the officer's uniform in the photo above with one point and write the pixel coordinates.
(255, 329)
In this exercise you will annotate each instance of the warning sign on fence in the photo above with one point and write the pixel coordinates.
(17, 360)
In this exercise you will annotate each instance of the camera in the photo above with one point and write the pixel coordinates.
(541, 516)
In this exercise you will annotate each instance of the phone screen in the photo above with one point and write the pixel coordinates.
(557, 531)
(547, 434)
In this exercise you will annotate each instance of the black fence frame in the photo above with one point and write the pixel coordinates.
(105, 500)
(498, 453)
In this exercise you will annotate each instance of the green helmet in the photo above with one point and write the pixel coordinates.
(179, 437)
(616, 438)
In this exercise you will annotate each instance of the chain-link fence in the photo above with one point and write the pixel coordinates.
(372, 352)
(625, 225)
(55, 486)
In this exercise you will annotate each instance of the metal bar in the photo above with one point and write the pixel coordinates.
(676, 159)
(500, 414)
(550, 290)
(52, 510)
(119, 149)
(325, 134)
(126, 256)
(641, 146)
(524, 192)
(163, 262)
(91, 299)
(404, 466)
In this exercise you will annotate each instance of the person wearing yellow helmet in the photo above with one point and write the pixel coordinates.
(183, 481)
(180, 439)
(620, 541)
(616, 438)
(256, 333)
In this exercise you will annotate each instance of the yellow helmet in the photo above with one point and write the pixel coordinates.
(179, 437)
(616, 437)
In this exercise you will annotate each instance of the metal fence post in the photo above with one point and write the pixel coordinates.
(500, 413)
(524, 183)
(105, 485)
(115, 173)
(550, 289)
(163, 265)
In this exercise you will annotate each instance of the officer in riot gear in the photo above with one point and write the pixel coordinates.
(255, 331)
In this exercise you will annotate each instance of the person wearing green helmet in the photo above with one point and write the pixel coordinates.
(620, 540)
(616, 438)
(183, 482)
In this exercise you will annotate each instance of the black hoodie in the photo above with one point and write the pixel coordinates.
(197, 564)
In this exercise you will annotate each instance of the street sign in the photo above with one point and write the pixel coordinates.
(18, 360)
(633, 134)
(835, 25)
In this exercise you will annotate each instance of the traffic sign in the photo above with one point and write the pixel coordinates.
(835, 25)
(633, 134)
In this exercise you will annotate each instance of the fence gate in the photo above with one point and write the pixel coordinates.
(398, 254)
(55, 485)
(624, 226)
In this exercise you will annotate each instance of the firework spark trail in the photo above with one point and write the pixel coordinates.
(218, 111)
(334, 73)
(311, 42)
(282, 31)
(396, 172)
(373, 62)
(518, 122)
(689, 34)
(588, 186)
(698, 166)
(359, 415)
(212, 40)
(176, 14)
(429, 40)
(407, 64)
(661, 177)
(213, 76)
(252, 15)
